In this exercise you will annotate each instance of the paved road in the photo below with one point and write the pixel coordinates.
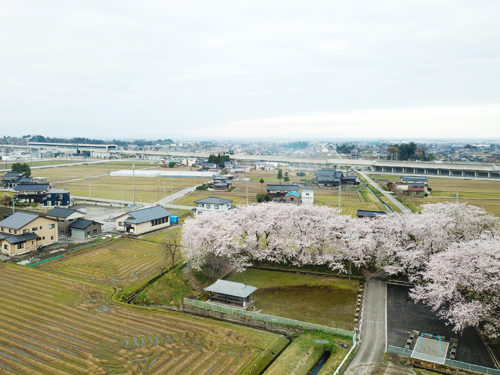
(373, 329)
(386, 194)
(64, 164)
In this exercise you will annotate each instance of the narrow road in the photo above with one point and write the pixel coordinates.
(373, 330)
(386, 194)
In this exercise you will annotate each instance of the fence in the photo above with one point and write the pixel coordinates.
(448, 362)
(269, 318)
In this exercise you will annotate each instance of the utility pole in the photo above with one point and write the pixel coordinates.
(90, 188)
(456, 197)
(133, 184)
(340, 195)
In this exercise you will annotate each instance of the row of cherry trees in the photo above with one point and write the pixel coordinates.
(450, 251)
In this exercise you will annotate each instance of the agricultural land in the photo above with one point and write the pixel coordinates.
(481, 193)
(51, 324)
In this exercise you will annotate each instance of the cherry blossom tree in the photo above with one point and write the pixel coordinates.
(462, 284)
(406, 241)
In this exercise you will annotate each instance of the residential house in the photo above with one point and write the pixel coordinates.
(83, 229)
(212, 204)
(278, 192)
(206, 166)
(31, 193)
(328, 177)
(57, 198)
(350, 180)
(231, 293)
(65, 217)
(221, 183)
(307, 197)
(10, 179)
(292, 197)
(22, 232)
(143, 220)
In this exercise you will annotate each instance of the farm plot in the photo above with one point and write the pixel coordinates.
(53, 325)
(124, 262)
(323, 300)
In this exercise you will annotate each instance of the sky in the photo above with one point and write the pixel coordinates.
(250, 69)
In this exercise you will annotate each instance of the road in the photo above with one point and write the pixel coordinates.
(64, 164)
(386, 194)
(373, 329)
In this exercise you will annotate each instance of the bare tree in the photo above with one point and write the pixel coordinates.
(171, 249)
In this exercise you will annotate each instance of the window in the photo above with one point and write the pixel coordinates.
(51, 226)
(43, 238)
(10, 230)
(20, 245)
(40, 227)
(208, 206)
(34, 229)
(51, 237)
(216, 206)
(120, 223)
(26, 231)
(6, 247)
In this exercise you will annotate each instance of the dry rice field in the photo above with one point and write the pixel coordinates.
(124, 262)
(54, 325)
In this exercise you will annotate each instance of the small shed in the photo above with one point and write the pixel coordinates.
(231, 293)
(84, 229)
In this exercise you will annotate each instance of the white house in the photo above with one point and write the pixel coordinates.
(307, 197)
(212, 204)
(143, 220)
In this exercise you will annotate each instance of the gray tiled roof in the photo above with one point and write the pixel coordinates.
(18, 220)
(82, 223)
(31, 187)
(231, 288)
(60, 212)
(282, 187)
(213, 200)
(14, 239)
(368, 213)
(12, 175)
(147, 214)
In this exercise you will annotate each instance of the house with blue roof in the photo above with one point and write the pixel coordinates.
(143, 220)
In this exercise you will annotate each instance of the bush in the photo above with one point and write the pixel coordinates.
(300, 174)
(202, 187)
(263, 197)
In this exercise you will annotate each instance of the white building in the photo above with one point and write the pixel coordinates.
(307, 197)
(212, 204)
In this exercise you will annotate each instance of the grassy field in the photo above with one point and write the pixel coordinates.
(302, 354)
(480, 193)
(76, 180)
(53, 325)
(37, 163)
(124, 262)
(323, 300)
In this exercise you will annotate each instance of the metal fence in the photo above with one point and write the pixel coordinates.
(448, 362)
(269, 318)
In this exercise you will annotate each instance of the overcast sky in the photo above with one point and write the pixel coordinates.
(240, 69)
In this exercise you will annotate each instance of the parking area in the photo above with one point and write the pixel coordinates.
(403, 316)
(101, 214)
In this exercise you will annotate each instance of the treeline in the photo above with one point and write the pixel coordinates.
(219, 159)
(91, 141)
(408, 151)
(299, 145)
(345, 148)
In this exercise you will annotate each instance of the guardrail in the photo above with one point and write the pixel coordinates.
(448, 362)
(269, 318)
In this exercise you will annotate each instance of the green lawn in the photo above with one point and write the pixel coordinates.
(325, 300)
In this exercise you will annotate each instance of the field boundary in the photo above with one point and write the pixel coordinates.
(314, 273)
(226, 310)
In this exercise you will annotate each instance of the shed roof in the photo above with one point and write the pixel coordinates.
(282, 187)
(18, 220)
(368, 213)
(231, 288)
(146, 214)
(19, 238)
(414, 178)
(31, 187)
(82, 224)
(60, 212)
(213, 200)
(12, 175)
